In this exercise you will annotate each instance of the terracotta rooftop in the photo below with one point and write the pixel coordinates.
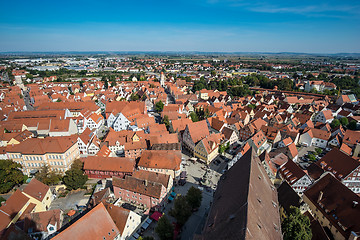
(96, 224)
(160, 159)
(198, 130)
(44, 145)
(153, 177)
(36, 189)
(141, 186)
(117, 164)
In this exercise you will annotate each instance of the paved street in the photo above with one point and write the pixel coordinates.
(70, 201)
(304, 150)
(195, 172)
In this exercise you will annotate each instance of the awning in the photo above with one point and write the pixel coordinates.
(156, 215)
(173, 194)
(170, 198)
(136, 235)
(145, 226)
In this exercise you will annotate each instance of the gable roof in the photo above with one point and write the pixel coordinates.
(102, 226)
(291, 172)
(160, 159)
(324, 194)
(36, 189)
(44, 145)
(245, 202)
(141, 186)
(339, 163)
(117, 164)
(198, 130)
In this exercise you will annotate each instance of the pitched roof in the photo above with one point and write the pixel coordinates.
(160, 159)
(141, 186)
(44, 145)
(198, 130)
(39, 221)
(96, 224)
(152, 176)
(351, 137)
(117, 164)
(119, 215)
(180, 124)
(339, 163)
(245, 202)
(291, 172)
(11, 208)
(324, 194)
(36, 189)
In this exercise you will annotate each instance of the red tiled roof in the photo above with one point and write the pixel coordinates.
(117, 164)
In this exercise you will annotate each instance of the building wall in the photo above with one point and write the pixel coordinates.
(135, 153)
(136, 198)
(173, 173)
(305, 139)
(98, 174)
(318, 215)
(352, 181)
(319, 142)
(44, 205)
(133, 221)
(59, 162)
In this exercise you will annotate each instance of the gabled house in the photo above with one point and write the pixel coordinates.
(344, 168)
(193, 133)
(295, 176)
(315, 137)
(325, 116)
(140, 192)
(230, 135)
(98, 224)
(107, 167)
(334, 206)
(207, 148)
(43, 224)
(162, 161)
(259, 143)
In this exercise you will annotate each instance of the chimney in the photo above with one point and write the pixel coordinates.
(354, 204)
(320, 196)
(146, 183)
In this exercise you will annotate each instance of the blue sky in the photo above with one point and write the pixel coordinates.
(185, 25)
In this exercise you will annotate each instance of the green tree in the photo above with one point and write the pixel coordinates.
(166, 121)
(134, 97)
(194, 117)
(253, 106)
(181, 210)
(335, 123)
(105, 80)
(46, 176)
(352, 125)
(10, 175)
(344, 121)
(296, 226)
(164, 229)
(146, 238)
(159, 106)
(75, 177)
(194, 197)
(318, 151)
(312, 157)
